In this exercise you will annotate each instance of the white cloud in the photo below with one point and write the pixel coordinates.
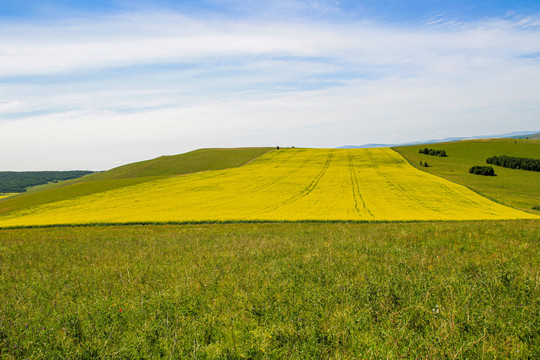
(69, 88)
(136, 40)
(10, 106)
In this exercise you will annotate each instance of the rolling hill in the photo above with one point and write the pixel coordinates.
(133, 174)
(284, 185)
(191, 162)
(517, 188)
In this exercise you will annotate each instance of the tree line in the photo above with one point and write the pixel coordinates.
(433, 152)
(19, 181)
(515, 162)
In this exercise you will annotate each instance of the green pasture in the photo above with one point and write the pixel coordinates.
(187, 163)
(517, 188)
(454, 290)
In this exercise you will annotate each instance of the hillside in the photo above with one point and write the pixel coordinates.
(517, 188)
(291, 184)
(191, 162)
(133, 174)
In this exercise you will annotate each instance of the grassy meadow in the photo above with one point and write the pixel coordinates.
(517, 188)
(456, 290)
(284, 185)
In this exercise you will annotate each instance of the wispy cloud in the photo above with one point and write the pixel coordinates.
(179, 83)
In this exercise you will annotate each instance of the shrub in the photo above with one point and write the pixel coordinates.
(433, 152)
(482, 170)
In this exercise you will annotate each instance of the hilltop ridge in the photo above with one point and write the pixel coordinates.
(186, 163)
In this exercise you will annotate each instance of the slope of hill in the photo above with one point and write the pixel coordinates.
(517, 188)
(191, 162)
(284, 185)
(132, 174)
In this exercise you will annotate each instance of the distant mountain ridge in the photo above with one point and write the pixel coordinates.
(515, 134)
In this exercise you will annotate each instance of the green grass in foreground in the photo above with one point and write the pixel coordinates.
(409, 290)
(133, 174)
(517, 188)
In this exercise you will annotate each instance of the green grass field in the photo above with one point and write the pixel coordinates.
(265, 291)
(133, 174)
(517, 188)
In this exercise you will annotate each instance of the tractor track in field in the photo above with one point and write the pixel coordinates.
(282, 177)
(356, 188)
(400, 190)
(308, 189)
(317, 178)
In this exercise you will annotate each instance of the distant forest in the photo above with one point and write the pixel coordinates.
(18, 181)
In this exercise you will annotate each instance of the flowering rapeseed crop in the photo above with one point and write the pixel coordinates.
(291, 184)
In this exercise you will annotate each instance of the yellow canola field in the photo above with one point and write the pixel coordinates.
(291, 184)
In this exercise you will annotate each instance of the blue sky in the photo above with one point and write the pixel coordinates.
(387, 10)
(96, 84)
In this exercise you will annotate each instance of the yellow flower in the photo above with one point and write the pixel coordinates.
(299, 184)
